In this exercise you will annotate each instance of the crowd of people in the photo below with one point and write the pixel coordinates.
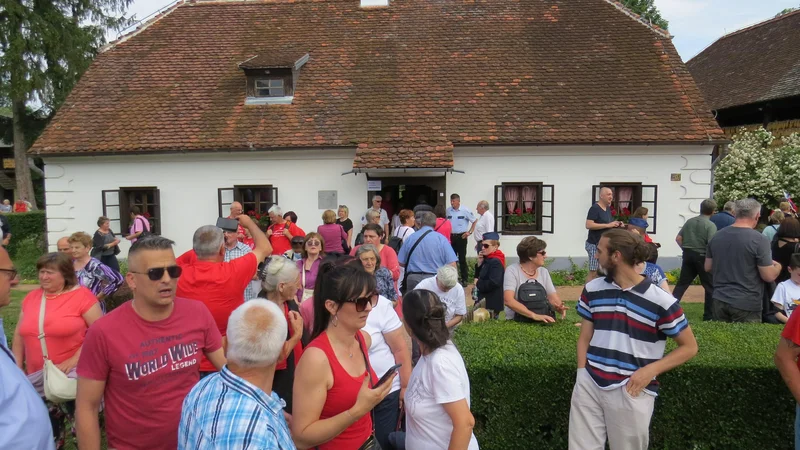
(279, 338)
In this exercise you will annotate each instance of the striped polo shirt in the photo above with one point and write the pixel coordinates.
(630, 329)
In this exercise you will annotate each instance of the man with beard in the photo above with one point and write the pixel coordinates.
(626, 320)
(143, 357)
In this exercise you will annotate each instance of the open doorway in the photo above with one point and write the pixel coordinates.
(408, 192)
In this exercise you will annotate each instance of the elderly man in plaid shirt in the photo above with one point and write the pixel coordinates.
(235, 407)
(235, 249)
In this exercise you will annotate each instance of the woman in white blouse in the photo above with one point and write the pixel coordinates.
(437, 399)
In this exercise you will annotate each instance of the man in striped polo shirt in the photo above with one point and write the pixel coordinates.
(626, 321)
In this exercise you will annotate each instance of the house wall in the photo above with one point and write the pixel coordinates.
(573, 171)
(188, 186)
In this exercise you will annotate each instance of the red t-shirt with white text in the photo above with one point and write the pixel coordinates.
(219, 285)
(148, 367)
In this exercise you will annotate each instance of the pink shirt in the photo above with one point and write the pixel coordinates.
(332, 234)
(148, 369)
(64, 326)
(444, 227)
(140, 223)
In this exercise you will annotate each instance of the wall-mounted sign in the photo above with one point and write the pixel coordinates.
(374, 185)
(9, 163)
(675, 177)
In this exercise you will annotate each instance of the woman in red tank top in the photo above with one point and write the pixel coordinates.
(333, 385)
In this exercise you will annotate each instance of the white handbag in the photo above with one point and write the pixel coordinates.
(307, 293)
(58, 387)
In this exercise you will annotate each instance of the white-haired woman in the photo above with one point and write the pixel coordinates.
(281, 231)
(370, 259)
(280, 279)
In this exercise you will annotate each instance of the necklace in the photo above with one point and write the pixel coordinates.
(531, 275)
(53, 296)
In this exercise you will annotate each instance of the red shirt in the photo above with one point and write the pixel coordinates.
(148, 368)
(444, 227)
(280, 243)
(647, 238)
(64, 327)
(219, 285)
(792, 331)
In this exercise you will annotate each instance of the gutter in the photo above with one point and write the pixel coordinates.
(402, 170)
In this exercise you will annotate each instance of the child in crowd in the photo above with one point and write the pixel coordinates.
(296, 253)
(787, 294)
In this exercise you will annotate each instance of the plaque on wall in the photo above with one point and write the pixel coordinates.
(327, 200)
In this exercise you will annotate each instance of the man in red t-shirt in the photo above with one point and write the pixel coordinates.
(281, 231)
(144, 356)
(786, 358)
(218, 284)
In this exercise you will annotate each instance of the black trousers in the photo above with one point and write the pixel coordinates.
(693, 266)
(459, 245)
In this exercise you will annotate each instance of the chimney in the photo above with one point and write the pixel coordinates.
(374, 3)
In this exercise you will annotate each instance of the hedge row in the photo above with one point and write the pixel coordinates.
(730, 396)
(26, 227)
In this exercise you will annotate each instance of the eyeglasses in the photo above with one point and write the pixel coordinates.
(157, 273)
(313, 243)
(361, 302)
(12, 273)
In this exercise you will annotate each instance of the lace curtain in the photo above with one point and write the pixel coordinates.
(624, 196)
(511, 196)
(528, 197)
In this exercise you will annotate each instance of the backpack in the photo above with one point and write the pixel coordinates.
(533, 295)
(396, 242)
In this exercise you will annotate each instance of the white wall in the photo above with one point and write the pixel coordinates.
(188, 186)
(189, 183)
(573, 171)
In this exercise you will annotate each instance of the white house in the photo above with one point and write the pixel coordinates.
(529, 105)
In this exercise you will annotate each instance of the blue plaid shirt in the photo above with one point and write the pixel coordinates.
(224, 411)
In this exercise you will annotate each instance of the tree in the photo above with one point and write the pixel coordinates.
(45, 46)
(752, 168)
(647, 9)
(787, 11)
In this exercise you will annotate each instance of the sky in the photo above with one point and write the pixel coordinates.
(695, 24)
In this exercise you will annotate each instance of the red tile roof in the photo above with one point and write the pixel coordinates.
(756, 64)
(402, 84)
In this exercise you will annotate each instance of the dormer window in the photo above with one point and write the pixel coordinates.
(271, 77)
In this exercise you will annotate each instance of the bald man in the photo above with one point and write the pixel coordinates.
(237, 210)
(598, 220)
(29, 425)
(63, 245)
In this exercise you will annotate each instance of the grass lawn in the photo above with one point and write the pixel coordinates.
(10, 314)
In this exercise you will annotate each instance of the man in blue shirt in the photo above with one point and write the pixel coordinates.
(724, 218)
(24, 422)
(236, 407)
(432, 252)
(463, 222)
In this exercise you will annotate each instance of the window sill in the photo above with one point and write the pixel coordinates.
(521, 232)
(268, 100)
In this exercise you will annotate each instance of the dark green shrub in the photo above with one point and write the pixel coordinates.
(24, 227)
(730, 396)
(27, 252)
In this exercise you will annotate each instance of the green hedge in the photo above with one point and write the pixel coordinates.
(730, 396)
(26, 227)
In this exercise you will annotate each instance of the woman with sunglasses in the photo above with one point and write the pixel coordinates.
(280, 278)
(69, 311)
(313, 252)
(532, 254)
(438, 415)
(334, 387)
(489, 273)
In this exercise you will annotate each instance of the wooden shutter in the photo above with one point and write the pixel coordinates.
(224, 200)
(650, 201)
(155, 221)
(112, 209)
(595, 194)
(498, 208)
(547, 195)
(274, 196)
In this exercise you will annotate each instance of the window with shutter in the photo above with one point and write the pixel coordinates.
(118, 204)
(628, 198)
(524, 208)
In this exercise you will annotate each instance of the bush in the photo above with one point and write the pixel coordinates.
(730, 396)
(26, 228)
(27, 252)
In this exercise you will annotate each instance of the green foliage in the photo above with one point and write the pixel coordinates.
(730, 396)
(24, 227)
(753, 168)
(575, 276)
(786, 11)
(647, 9)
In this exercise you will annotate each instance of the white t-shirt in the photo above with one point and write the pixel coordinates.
(437, 379)
(514, 277)
(382, 319)
(485, 224)
(453, 299)
(403, 232)
(787, 296)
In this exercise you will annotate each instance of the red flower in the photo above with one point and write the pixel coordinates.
(147, 215)
(251, 213)
(626, 211)
(613, 211)
(527, 210)
(518, 212)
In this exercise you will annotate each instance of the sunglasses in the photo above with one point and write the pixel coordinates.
(542, 252)
(157, 273)
(313, 243)
(485, 245)
(12, 273)
(361, 302)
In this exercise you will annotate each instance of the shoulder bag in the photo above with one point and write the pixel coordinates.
(145, 229)
(371, 443)
(408, 261)
(307, 293)
(58, 387)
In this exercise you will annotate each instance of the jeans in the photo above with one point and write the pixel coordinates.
(693, 266)
(724, 312)
(459, 245)
(385, 415)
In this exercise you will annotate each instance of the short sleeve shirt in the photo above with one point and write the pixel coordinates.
(433, 252)
(454, 299)
(598, 215)
(737, 253)
(382, 319)
(514, 277)
(787, 295)
(697, 233)
(461, 218)
(64, 326)
(148, 370)
(792, 331)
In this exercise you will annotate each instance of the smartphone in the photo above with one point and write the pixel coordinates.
(228, 224)
(388, 374)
